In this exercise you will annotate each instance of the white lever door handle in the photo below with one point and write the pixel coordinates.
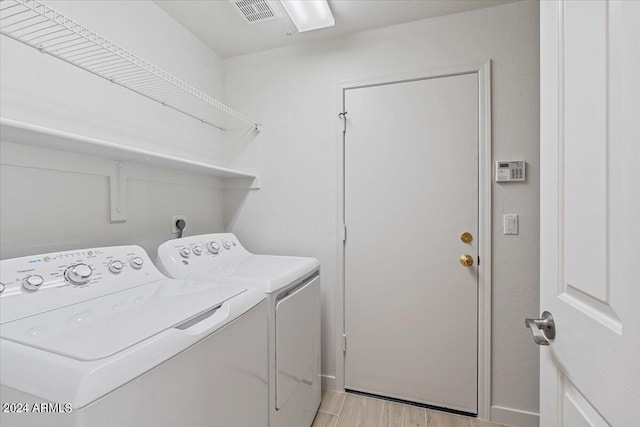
(543, 329)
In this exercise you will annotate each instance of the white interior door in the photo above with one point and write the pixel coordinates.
(590, 212)
(411, 189)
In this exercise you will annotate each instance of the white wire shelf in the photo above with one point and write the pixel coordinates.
(33, 23)
(15, 133)
(23, 133)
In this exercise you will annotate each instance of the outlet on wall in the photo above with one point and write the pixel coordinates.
(174, 218)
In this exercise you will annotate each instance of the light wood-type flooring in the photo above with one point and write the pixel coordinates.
(352, 410)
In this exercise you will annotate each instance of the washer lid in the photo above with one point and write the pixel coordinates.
(104, 326)
(268, 273)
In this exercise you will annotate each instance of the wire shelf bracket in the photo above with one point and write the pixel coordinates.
(33, 23)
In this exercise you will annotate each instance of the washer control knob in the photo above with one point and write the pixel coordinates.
(2, 287)
(197, 250)
(78, 274)
(137, 263)
(116, 266)
(185, 252)
(213, 247)
(32, 282)
(226, 244)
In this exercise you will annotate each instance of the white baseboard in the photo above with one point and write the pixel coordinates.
(328, 382)
(514, 417)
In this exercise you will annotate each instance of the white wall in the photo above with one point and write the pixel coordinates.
(48, 204)
(45, 209)
(293, 92)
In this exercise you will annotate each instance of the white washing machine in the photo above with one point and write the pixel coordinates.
(99, 337)
(292, 286)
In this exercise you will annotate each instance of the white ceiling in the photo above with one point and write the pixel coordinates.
(221, 27)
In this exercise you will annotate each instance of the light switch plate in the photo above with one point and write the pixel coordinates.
(510, 223)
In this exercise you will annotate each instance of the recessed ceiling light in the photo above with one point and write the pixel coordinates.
(308, 15)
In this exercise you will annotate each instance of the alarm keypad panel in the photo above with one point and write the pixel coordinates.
(510, 171)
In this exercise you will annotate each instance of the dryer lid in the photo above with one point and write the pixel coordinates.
(269, 273)
(104, 326)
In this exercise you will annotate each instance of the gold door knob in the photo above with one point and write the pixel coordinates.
(466, 237)
(466, 260)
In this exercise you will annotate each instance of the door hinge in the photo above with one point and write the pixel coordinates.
(344, 232)
(343, 116)
(344, 343)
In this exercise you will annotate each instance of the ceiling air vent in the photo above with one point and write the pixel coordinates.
(255, 10)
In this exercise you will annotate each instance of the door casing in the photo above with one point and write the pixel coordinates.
(483, 72)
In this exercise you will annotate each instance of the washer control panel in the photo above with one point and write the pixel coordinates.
(110, 269)
(205, 249)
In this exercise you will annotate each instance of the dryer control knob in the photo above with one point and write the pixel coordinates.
(185, 252)
(78, 274)
(213, 247)
(197, 250)
(116, 266)
(137, 263)
(226, 244)
(32, 282)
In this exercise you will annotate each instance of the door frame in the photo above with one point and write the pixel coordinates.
(483, 71)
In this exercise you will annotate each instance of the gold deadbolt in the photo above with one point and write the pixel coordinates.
(466, 260)
(466, 237)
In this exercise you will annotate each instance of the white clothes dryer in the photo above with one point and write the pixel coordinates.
(99, 337)
(292, 287)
